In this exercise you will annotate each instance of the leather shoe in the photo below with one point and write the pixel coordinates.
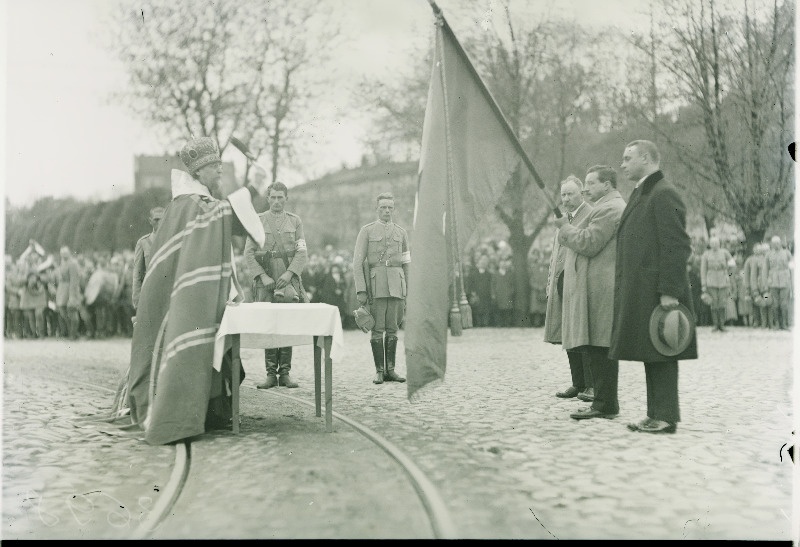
(286, 381)
(568, 393)
(648, 425)
(585, 413)
(391, 376)
(586, 395)
(272, 381)
(378, 378)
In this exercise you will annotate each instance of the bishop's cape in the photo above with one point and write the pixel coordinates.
(172, 390)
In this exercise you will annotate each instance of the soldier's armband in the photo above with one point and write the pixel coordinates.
(300, 245)
(405, 258)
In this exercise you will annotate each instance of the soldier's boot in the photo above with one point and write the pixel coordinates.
(378, 357)
(284, 367)
(391, 349)
(271, 362)
(784, 318)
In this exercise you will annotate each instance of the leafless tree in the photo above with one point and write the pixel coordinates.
(735, 72)
(223, 68)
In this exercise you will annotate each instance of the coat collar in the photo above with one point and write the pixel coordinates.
(608, 197)
(651, 180)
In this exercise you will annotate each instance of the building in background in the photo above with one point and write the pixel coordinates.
(154, 172)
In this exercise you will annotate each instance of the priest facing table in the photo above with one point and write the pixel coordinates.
(263, 325)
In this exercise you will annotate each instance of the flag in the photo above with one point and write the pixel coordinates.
(468, 155)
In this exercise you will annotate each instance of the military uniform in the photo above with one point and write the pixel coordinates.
(141, 258)
(284, 235)
(380, 268)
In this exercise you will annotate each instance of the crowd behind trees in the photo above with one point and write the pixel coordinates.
(68, 294)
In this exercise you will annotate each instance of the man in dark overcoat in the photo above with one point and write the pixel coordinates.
(652, 250)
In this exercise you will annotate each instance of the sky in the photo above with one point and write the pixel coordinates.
(65, 137)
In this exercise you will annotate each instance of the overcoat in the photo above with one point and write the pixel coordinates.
(589, 266)
(552, 318)
(652, 250)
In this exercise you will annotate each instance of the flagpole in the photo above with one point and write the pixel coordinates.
(495, 107)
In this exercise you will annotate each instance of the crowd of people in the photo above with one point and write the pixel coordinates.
(731, 287)
(89, 295)
(745, 293)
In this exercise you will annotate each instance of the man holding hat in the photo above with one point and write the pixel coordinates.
(142, 252)
(380, 269)
(652, 286)
(186, 287)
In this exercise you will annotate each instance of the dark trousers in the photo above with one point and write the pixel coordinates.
(580, 369)
(605, 374)
(662, 391)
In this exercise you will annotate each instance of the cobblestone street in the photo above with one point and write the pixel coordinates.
(495, 441)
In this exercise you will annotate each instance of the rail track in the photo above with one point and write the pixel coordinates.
(442, 526)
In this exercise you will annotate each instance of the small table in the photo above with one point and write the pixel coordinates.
(268, 325)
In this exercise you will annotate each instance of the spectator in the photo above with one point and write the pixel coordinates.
(503, 294)
(479, 292)
(69, 294)
(332, 289)
(779, 280)
(715, 276)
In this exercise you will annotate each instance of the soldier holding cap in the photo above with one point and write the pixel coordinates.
(276, 271)
(380, 270)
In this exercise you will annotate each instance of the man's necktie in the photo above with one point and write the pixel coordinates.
(569, 217)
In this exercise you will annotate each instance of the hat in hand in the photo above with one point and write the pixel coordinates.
(364, 319)
(671, 330)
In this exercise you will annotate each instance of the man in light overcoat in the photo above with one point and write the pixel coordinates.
(589, 267)
(575, 209)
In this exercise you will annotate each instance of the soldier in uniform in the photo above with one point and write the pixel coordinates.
(276, 271)
(142, 253)
(380, 269)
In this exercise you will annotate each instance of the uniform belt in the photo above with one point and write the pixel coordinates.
(385, 264)
(273, 254)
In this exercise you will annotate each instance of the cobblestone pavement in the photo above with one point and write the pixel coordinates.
(497, 443)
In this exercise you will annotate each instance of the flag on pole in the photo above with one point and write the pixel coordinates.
(468, 155)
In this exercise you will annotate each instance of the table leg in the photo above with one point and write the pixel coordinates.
(317, 380)
(328, 385)
(236, 362)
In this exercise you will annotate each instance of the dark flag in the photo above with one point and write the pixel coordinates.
(468, 155)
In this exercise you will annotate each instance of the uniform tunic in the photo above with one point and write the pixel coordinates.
(381, 259)
(284, 233)
(141, 257)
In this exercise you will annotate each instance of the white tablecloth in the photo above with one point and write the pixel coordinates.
(268, 325)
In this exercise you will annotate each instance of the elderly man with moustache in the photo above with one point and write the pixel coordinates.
(652, 250)
(589, 267)
(576, 210)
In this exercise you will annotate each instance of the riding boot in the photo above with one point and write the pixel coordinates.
(377, 356)
(284, 366)
(391, 349)
(271, 362)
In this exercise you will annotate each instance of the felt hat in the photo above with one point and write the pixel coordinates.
(671, 330)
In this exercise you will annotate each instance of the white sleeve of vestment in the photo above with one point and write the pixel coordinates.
(236, 294)
(242, 205)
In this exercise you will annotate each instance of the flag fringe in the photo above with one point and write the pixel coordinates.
(455, 320)
(466, 312)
